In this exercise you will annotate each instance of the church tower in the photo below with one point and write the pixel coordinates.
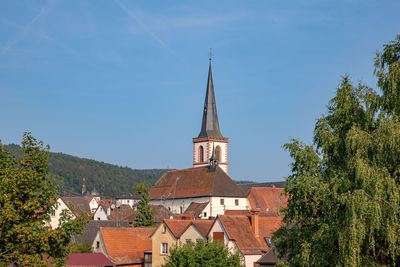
(210, 145)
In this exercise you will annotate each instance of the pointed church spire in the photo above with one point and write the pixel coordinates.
(210, 125)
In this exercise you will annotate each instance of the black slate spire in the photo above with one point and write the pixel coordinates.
(210, 125)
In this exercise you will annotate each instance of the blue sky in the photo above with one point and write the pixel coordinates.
(124, 81)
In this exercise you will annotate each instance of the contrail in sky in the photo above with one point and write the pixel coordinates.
(131, 14)
(20, 35)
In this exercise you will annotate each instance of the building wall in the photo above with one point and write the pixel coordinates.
(249, 260)
(93, 204)
(127, 201)
(100, 214)
(159, 237)
(213, 209)
(208, 148)
(55, 217)
(191, 234)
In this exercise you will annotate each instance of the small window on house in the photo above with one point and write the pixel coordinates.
(164, 248)
(198, 240)
(188, 241)
(169, 208)
(218, 236)
(97, 244)
(181, 209)
(98, 218)
(236, 202)
(205, 214)
(147, 259)
(164, 230)
(222, 201)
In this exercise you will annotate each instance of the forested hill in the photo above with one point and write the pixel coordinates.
(108, 179)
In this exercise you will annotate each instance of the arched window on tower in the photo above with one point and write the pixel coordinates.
(201, 154)
(218, 153)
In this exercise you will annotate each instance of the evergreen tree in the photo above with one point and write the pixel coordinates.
(344, 191)
(144, 216)
(27, 199)
(203, 254)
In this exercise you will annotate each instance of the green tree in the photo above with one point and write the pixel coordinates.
(27, 199)
(344, 191)
(203, 254)
(144, 216)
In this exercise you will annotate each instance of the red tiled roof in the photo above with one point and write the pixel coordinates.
(126, 245)
(177, 227)
(123, 213)
(203, 226)
(268, 199)
(237, 212)
(78, 205)
(238, 228)
(88, 259)
(196, 208)
(268, 225)
(195, 182)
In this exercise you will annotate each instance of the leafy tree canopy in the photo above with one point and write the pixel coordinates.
(109, 180)
(203, 254)
(144, 216)
(27, 198)
(344, 191)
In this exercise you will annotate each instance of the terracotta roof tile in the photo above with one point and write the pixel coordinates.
(268, 225)
(268, 199)
(195, 182)
(203, 226)
(238, 228)
(78, 205)
(127, 245)
(177, 227)
(88, 259)
(91, 228)
(196, 208)
(237, 212)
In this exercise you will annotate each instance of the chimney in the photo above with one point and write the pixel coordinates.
(254, 221)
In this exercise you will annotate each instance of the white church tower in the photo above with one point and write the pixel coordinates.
(210, 147)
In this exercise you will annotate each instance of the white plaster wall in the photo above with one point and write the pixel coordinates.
(55, 219)
(100, 214)
(94, 244)
(175, 204)
(93, 204)
(249, 260)
(216, 207)
(208, 148)
(130, 202)
(229, 204)
(192, 234)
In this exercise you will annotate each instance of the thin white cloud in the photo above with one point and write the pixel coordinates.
(45, 9)
(147, 29)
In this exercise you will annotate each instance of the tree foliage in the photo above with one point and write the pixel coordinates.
(203, 254)
(110, 180)
(344, 191)
(144, 216)
(27, 198)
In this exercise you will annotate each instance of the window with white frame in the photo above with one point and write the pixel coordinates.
(164, 248)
